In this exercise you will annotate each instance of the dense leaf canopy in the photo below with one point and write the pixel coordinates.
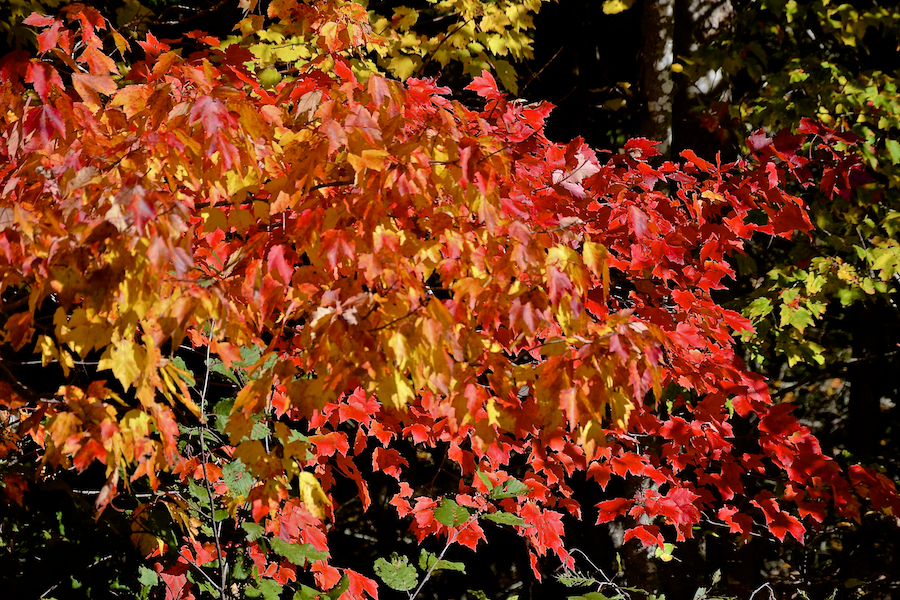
(256, 291)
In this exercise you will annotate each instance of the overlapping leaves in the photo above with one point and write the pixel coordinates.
(377, 258)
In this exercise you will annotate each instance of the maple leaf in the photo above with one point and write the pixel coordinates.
(610, 510)
(89, 86)
(388, 461)
(649, 535)
(485, 86)
(586, 166)
(43, 77)
(211, 114)
(357, 585)
(98, 63)
(48, 39)
(417, 271)
(779, 522)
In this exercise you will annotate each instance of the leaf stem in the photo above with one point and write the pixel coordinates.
(440, 556)
(223, 569)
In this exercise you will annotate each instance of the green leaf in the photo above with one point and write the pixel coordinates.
(237, 479)
(338, 590)
(589, 596)
(260, 431)
(426, 559)
(665, 553)
(893, 148)
(451, 514)
(576, 579)
(147, 577)
(485, 480)
(504, 518)
(269, 77)
(298, 554)
(759, 308)
(307, 593)
(507, 76)
(198, 491)
(249, 356)
(265, 588)
(242, 568)
(218, 367)
(187, 376)
(398, 574)
(253, 530)
(511, 488)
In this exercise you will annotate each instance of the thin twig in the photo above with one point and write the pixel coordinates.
(202, 572)
(203, 460)
(441, 43)
(440, 557)
(760, 588)
(538, 74)
(397, 320)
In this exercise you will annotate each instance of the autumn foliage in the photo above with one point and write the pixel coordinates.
(369, 263)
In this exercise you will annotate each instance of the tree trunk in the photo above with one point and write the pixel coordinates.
(657, 55)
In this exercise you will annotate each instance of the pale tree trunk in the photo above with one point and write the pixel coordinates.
(657, 55)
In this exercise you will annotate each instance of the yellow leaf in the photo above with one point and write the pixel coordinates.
(48, 350)
(370, 159)
(241, 220)
(614, 7)
(596, 259)
(402, 67)
(65, 361)
(213, 218)
(312, 495)
(122, 358)
(395, 390)
(172, 376)
(132, 98)
(254, 395)
(400, 347)
(621, 408)
(507, 75)
(405, 18)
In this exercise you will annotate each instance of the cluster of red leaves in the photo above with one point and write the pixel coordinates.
(412, 269)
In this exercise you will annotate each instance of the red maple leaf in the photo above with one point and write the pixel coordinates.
(485, 86)
(388, 460)
(611, 510)
(779, 522)
(648, 534)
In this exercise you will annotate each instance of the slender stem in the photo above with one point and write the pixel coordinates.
(760, 588)
(201, 571)
(538, 74)
(203, 460)
(440, 556)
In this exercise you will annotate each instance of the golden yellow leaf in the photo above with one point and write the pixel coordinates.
(125, 360)
(132, 98)
(614, 7)
(620, 406)
(312, 495)
(214, 218)
(369, 159)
